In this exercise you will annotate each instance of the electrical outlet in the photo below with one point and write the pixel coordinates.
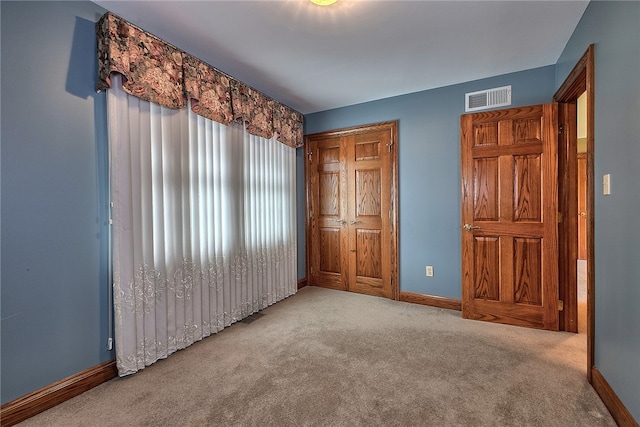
(429, 271)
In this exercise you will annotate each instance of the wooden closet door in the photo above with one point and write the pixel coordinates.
(369, 196)
(351, 202)
(328, 212)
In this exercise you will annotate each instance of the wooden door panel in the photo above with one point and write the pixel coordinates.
(327, 260)
(527, 191)
(369, 228)
(485, 206)
(367, 150)
(368, 263)
(329, 152)
(368, 193)
(330, 247)
(527, 271)
(368, 256)
(368, 253)
(487, 268)
(485, 134)
(329, 194)
(526, 130)
(330, 270)
(509, 204)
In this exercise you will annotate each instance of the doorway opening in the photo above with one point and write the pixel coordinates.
(579, 83)
(581, 172)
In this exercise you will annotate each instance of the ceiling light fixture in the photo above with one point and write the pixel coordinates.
(323, 2)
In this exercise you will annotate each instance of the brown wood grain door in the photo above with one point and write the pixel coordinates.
(369, 207)
(328, 210)
(351, 210)
(567, 221)
(509, 216)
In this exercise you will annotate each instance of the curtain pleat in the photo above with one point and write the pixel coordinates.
(203, 226)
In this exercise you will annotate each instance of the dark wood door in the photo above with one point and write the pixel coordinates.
(509, 216)
(351, 210)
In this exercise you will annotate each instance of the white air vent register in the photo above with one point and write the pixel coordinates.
(489, 98)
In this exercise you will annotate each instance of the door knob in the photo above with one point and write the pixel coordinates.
(469, 227)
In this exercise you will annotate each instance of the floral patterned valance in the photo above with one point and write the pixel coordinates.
(151, 67)
(156, 71)
(253, 108)
(209, 90)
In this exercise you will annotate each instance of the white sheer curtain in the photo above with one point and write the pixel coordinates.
(203, 226)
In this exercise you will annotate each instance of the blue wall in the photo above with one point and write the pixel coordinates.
(614, 28)
(54, 281)
(429, 169)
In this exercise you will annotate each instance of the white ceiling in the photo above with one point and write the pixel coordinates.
(313, 58)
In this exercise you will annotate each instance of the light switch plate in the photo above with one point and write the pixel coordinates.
(606, 184)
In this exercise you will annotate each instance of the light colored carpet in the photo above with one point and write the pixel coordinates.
(331, 358)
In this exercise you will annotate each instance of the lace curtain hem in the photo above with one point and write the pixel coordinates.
(201, 289)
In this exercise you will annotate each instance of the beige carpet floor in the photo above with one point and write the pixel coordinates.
(331, 358)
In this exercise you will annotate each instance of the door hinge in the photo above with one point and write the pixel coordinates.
(309, 154)
(560, 305)
(560, 128)
(559, 217)
(389, 145)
